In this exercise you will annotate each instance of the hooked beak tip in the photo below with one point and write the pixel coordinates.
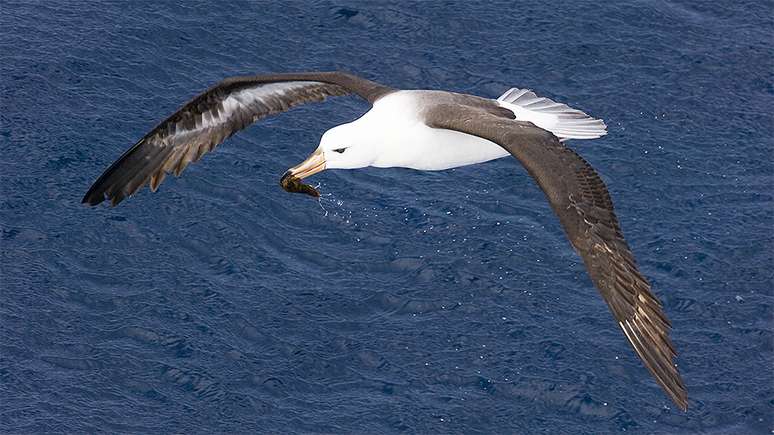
(291, 179)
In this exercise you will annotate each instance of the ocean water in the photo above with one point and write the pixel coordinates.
(445, 302)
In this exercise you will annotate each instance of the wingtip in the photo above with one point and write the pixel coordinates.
(678, 394)
(93, 199)
(681, 398)
(90, 200)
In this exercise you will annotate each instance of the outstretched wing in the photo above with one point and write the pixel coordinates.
(211, 117)
(581, 200)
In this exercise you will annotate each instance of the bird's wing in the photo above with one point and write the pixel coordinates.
(581, 200)
(211, 117)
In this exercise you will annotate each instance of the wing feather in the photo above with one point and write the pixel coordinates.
(582, 202)
(213, 116)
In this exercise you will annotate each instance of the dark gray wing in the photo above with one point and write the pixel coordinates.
(211, 117)
(581, 200)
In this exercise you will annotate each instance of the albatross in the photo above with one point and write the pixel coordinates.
(427, 130)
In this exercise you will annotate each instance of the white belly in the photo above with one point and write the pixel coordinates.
(432, 149)
(407, 142)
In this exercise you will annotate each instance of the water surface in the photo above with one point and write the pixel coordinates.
(446, 302)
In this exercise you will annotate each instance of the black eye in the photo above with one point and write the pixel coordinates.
(340, 150)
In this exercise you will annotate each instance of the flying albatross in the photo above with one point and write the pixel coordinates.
(427, 130)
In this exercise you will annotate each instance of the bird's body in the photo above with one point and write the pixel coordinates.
(428, 130)
(395, 128)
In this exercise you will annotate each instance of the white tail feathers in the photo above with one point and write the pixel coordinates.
(560, 119)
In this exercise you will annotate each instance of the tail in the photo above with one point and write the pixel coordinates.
(560, 119)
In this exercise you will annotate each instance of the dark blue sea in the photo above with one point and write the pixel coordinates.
(436, 303)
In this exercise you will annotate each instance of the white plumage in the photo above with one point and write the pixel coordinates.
(397, 136)
(560, 119)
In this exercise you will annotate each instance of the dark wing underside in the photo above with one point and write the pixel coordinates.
(581, 200)
(211, 117)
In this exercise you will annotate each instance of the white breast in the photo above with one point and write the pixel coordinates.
(395, 126)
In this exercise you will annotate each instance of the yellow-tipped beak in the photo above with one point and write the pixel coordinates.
(291, 180)
(312, 165)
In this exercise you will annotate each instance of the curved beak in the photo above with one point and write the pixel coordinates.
(312, 165)
(291, 180)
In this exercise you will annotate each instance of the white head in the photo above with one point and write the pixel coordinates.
(346, 146)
